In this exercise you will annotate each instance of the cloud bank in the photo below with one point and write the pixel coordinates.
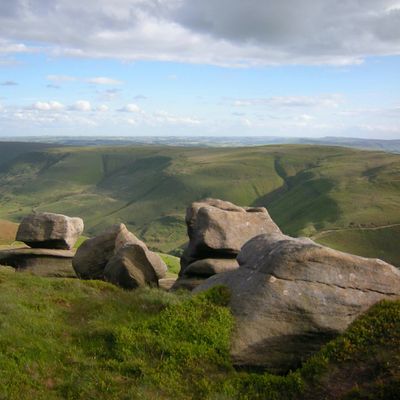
(223, 32)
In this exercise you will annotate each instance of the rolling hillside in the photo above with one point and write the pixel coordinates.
(345, 198)
(8, 230)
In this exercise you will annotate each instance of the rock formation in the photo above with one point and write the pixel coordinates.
(290, 296)
(50, 231)
(217, 230)
(118, 256)
(43, 262)
(52, 237)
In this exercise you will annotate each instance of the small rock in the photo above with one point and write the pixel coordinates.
(131, 268)
(211, 266)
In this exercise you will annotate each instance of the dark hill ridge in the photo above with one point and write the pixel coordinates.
(343, 197)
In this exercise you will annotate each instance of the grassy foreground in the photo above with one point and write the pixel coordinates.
(72, 339)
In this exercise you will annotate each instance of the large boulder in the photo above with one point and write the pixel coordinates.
(94, 254)
(42, 262)
(131, 268)
(218, 227)
(290, 296)
(217, 230)
(50, 231)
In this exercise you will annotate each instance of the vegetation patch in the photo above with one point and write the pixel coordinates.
(72, 339)
(307, 189)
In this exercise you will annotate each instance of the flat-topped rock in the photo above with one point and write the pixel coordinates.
(290, 296)
(49, 230)
(43, 262)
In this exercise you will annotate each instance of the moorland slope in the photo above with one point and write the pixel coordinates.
(345, 198)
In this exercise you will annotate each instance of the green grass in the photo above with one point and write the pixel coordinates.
(173, 264)
(87, 340)
(307, 189)
(378, 243)
(72, 339)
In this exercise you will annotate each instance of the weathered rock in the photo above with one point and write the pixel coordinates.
(48, 230)
(217, 230)
(131, 268)
(126, 237)
(222, 227)
(43, 262)
(94, 254)
(290, 296)
(217, 227)
(211, 266)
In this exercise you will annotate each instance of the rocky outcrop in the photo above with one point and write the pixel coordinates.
(51, 238)
(50, 231)
(93, 255)
(290, 296)
(217, 230)
(118, 256)
(42, 262)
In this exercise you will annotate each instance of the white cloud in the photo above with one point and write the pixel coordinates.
(165, 117)
(102, 108)
(47, 106)
(331, 100)
(102, 80)
(132, 108)
(82, 105)
(223, 32)
(10, 47)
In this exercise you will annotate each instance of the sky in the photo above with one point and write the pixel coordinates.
(298, 68)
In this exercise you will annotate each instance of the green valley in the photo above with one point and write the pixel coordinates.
(345, 198)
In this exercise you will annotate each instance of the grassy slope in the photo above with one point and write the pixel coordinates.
(307, 189)
(75, 339)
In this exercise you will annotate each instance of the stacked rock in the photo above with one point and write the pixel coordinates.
(51, 238)
(217, 230)
(119, 257)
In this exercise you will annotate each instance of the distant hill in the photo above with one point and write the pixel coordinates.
(391, 146)
(343, 197)
(10, 150)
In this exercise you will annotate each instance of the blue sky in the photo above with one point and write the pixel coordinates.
(181, 67)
